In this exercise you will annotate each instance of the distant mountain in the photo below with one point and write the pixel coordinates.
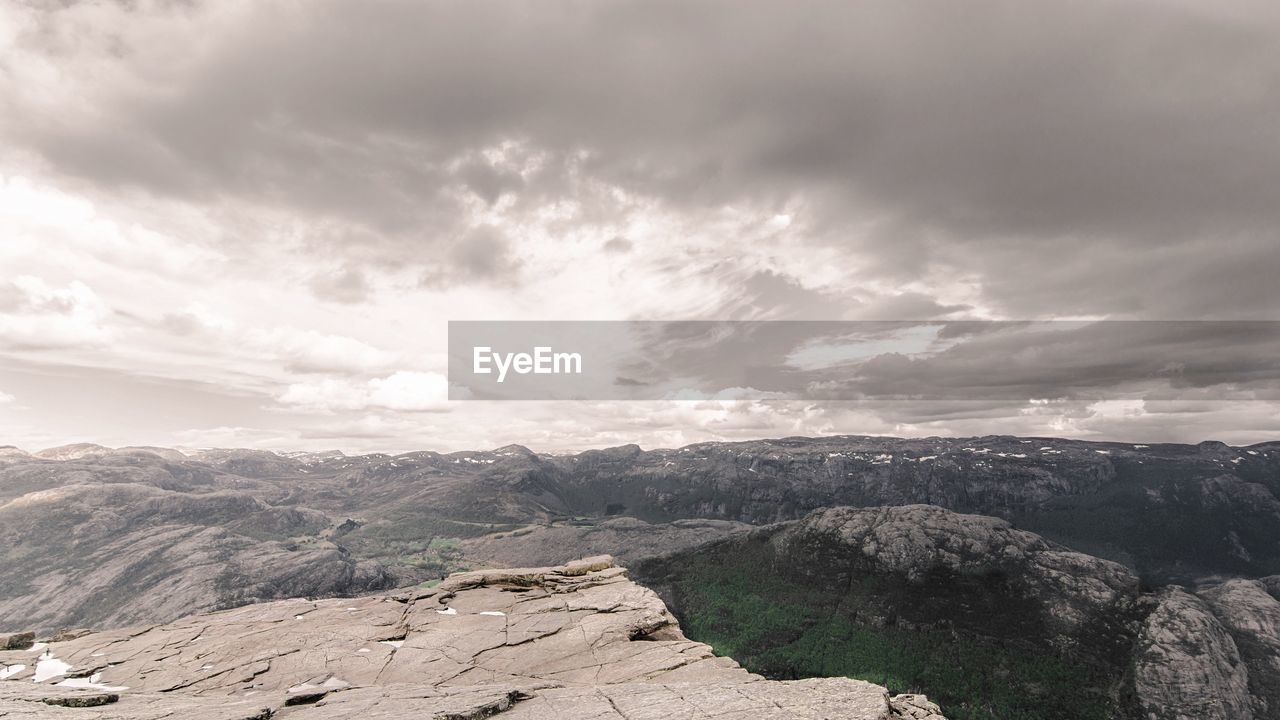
(1169, 513)
(1128, 580)
(73, 452)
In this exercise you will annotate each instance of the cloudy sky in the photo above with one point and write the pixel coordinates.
(247, 223)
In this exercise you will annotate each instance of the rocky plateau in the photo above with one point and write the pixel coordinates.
(575, 641)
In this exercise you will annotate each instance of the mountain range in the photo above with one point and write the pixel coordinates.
(1100, 579)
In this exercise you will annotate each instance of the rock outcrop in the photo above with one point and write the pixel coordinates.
(576, 641)
(904, 593)
(1031, 587)
(17, 640)
(1187, 666)
(1252, 616)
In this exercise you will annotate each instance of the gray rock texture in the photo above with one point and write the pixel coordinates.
(108, 555)
(16, 640)
(575, 641)
(1252, 616)
(1067, 596)
(1187, 666)
(917, 707)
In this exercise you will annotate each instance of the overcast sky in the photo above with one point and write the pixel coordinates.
(246, 223)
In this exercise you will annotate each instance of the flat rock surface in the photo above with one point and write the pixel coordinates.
(577, 641)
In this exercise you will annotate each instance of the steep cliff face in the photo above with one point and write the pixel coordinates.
(990, 621)
(576, 641)
(1251, 614)
(893, 593)
(1005, 582)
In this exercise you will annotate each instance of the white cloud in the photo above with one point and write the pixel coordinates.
(40, 219)
(401, 391)
(35, 314)
(409, 391)
(312, 351)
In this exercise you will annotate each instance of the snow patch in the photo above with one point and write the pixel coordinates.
(50, 667)
(92, 682)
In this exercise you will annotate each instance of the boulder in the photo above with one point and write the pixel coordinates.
(1252, 616)
(17, 640)
(1187, 666)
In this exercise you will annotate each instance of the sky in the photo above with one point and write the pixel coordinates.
(244, 223)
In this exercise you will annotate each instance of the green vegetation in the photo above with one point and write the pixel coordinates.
(733, 602)
(430, 545)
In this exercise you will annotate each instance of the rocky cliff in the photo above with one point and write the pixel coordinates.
(1015, 583)
(1188, 666)
(575, 641)
(1250, 612)
(987, 618)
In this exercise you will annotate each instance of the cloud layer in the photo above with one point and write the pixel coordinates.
(286, 201)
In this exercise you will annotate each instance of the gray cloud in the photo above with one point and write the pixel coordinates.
(1007, 366)
(484, 255)
(618, 245)
(347, 285)
(813, 160)
(1090, 157)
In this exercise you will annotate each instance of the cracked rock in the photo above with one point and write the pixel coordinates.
(555, 643)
